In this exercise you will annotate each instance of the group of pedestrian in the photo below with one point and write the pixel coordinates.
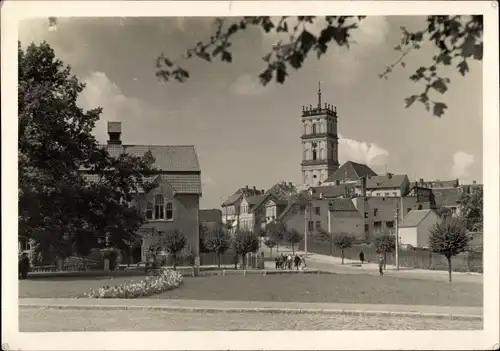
(288, 261)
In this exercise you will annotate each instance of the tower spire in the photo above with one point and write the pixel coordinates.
(319, 94)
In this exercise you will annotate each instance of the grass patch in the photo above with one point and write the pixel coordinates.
(335, 288)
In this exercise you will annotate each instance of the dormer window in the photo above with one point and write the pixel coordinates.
(160, 209)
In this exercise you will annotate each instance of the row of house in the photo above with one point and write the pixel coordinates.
(353, 200)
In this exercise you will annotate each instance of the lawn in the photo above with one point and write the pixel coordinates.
(66, 286)
(337, 288)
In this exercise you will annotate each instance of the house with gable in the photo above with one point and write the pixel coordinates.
(231, 207)
(174, 202)
(349, 172)
(415, 227)
(248, 216)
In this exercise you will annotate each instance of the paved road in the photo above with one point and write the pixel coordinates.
(56, 320)
(333, 264)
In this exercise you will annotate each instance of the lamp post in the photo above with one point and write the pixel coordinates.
(396, 217)
(306, 217)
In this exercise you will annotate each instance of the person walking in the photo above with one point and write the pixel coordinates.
(362, 257)
(24, 266)
(381, 265)
(297, 262)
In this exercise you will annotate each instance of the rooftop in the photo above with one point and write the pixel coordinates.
(385, 181)
(351, 171)
(413, 218)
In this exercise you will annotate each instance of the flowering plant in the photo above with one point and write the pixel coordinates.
(164, 281)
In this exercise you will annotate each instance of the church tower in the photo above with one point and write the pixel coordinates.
(320, 157)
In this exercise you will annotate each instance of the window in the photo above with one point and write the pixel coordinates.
(366, 214)
(386, 194)
(149, 211)
(318, 225)
(314, 130)
(394, 194)
(315, 155)
(317, 210)
(367, 227)
(310, 226)
(420, 207)
(377, 226)
(375, 211)
(389, 224)
(170, 211)
(159, 207)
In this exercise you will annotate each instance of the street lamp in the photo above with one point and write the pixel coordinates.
(306, 223)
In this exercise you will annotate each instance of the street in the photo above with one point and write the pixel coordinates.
(57, 320)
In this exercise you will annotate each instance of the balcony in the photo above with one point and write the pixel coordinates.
(319, 162)
(319, 135)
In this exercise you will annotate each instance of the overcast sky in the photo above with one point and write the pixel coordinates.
(246, 134)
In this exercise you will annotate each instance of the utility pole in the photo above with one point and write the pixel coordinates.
(305, 229)
(396, 217)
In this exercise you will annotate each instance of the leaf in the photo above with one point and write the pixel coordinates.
(463, 67)
(439, 86)
(403, 64)
(439, 108)
(410, 100)
(167, 62)
(203, 55)
(478, 52)
(227, 56)
(444, 58)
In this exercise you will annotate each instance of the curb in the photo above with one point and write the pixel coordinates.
(259, 310)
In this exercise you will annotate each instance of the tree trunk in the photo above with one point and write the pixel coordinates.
(277, 247)
(175, 261)
(243, 261)
(218, 259)
(271, 249)
(449, 268)
(342, 252)
(293, 248)
(385, 261)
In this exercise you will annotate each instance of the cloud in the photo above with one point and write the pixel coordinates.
(248, 85)
(206, 180)
(100, 91)
(462, 163)
(362, 152)
(371, 31)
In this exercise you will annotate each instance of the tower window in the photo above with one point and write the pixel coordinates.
(315, 156)
(314, 131)
(315, 176)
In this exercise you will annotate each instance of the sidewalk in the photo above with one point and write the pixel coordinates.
(334, 264)
(454, 312)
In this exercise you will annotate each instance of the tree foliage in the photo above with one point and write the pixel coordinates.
(244, 243)
(293, 237)
(471, 209)
(204, 233)
(457, 40)
(219, 242)
(385, 243)
(443, 212)
(270, 243)
(173, 243)
(60, 207)
(343, 241)
(276, 231)
(449, 238)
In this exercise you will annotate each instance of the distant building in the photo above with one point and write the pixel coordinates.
(174, 203)
(388, 185)
(349, 172)
(343, 219)
(248, 219)
(211, 218)
(319, 142)
(415, 228)
(231, 207)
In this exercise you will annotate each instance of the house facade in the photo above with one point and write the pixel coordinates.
(415, 227)
(231, 206)
(249, 218)
(174, 202)
(313, 215)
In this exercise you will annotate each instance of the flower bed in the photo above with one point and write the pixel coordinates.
(164, 281)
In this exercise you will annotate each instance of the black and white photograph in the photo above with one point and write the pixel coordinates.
(250, 167)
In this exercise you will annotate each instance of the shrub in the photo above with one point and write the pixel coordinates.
(164, 281)
(385, 243)
(343, 241)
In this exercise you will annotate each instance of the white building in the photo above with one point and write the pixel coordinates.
(415, 227)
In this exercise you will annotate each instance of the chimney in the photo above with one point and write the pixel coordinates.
(246, 188)
(421, 180)
(389, 175)
(255, 189)
(114, 133)
(337, 182)
(290, 184)
(263, 191)
(474, 182)
(363, 186)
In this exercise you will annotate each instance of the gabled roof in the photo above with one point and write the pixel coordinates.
(279, 191)
(342, 205)
(181, 183)
(385, 181)
(254, 200)
(351, 171)
(231, 200)
(331, 191)
(210, 215)
(169, 158)
(414, 218)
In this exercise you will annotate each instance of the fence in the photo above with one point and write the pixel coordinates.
(409, 258)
